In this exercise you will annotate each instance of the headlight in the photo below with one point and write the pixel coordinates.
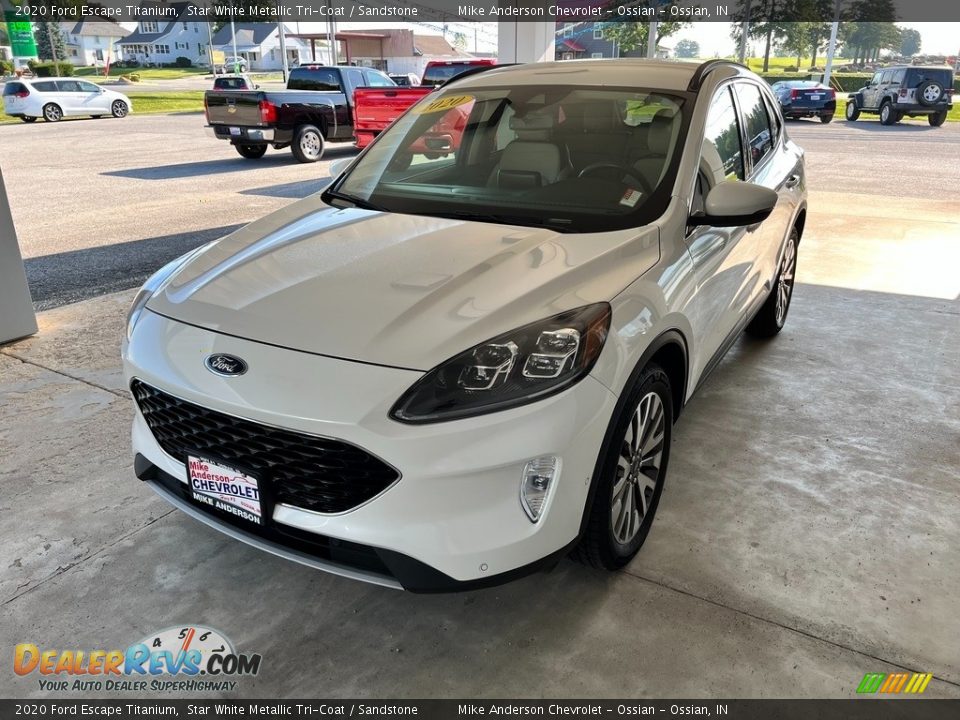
(516, 368)
(155, 282)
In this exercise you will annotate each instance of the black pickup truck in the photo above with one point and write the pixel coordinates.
(316, 108)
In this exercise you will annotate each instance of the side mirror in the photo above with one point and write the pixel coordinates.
(338, 166)
(735, 204)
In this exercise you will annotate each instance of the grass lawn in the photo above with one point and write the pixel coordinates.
(146, 102)
(144, 73)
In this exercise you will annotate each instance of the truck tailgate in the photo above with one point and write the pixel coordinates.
(376, 108)
(234, 107)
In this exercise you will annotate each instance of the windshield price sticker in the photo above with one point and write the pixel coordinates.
(443, 104)
(631, 197)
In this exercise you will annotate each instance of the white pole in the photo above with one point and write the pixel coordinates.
(831, 49)
(213, 67)
(233, 34)
(652, 39)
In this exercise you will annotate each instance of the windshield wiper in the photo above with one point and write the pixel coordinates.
(354, 201)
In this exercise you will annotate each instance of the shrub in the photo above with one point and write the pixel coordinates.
(6, 67)
(131, 77)
(790, 68)
(184, 62)
(51, 69)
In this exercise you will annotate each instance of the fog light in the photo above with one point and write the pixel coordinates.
(538, 477)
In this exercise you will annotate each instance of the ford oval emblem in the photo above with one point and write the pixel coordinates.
(226, 365)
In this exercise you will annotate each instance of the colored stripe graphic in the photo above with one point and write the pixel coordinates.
(912, 683)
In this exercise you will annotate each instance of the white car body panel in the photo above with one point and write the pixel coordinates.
(339, 311)
(73, 104)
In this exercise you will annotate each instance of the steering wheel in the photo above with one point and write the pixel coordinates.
(625, 169)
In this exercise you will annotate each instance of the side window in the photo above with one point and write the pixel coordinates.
(885, 77)
(88, 87)
(322, 80)
(776, 123)
(721, 156)
(898, 76)
(876, 78)
(755, 120)
(45, 86)
(375, 79)
(68, 86)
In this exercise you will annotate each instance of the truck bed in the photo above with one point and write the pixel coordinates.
(376, 108)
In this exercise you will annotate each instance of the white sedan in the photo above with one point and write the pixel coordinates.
(56, 98)
(444, 372)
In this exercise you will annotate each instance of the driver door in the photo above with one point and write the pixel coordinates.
(872, 91)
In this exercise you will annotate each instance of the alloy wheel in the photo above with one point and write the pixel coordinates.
(52, 113)
(931, 93)
(785, 280)
(119, 108)
(638, 468)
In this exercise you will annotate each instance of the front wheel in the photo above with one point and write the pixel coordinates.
(632, 472)
(773, 313)
(52, 112)
(937, 119)
(853, 112)
(119, 109)
(251, 152)
(887, 115)
(308, 144)
(826, 118)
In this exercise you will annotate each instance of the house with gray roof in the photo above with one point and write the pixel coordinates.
(259, 45)
(92, 42)
(175, 33)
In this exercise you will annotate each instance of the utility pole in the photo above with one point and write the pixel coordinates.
(213, 66)
(652, 39)
(832, 48)
(233, 36)
(744, 31)
(283, 50)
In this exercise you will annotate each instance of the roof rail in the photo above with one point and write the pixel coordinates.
(474, 71)
(704, 69)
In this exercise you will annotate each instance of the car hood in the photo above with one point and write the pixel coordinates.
(400, 290)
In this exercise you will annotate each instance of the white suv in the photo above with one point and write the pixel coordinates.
(444, 373)
(56, 98)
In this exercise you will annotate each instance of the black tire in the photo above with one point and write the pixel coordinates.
(826, 118)
(888, 115)
(937, 119)
(119, 109)
(27, 119)
(770, 319)
(853, 110)
(251, 152)
(52, 112)
(308, 144)
(600, 546)
(929, 93)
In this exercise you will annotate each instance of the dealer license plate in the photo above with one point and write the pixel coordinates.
(224, 488)
(235, 131)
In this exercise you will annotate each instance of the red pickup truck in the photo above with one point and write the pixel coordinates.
(376, 108)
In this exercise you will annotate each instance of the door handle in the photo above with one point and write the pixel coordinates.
(793, 181)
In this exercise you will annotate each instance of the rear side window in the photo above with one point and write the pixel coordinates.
(439, 74)
(375, 79)
(45, 86)
(230, 84)
(12, 88)
(943, 77)
(721, 156)
(756, 122)
(69, 86)
(898, 76)
(885, 78)
(320, 79)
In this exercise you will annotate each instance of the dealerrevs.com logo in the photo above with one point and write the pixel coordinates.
(179, 659)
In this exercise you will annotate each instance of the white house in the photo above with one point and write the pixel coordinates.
(259, 45)
(171, 35)
(91, 42)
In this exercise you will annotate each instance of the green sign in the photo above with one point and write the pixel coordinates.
(21, 37)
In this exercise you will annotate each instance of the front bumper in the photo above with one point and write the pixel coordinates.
(453, 520)
(237, 134)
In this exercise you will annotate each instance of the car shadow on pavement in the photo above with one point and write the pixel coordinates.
(294, 190)
(69, 277)
(226, 165)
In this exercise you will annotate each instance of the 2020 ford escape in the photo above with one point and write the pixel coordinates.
(447, 370)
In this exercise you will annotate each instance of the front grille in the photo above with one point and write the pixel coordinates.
(305, 471)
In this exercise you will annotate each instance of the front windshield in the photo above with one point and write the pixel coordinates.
(579, 159)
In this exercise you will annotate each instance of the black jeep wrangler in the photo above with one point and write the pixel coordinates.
(910, 90)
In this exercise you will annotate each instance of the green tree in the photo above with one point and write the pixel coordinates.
(687, 49)
(49, 39)
(909, 42)
(632, 35)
